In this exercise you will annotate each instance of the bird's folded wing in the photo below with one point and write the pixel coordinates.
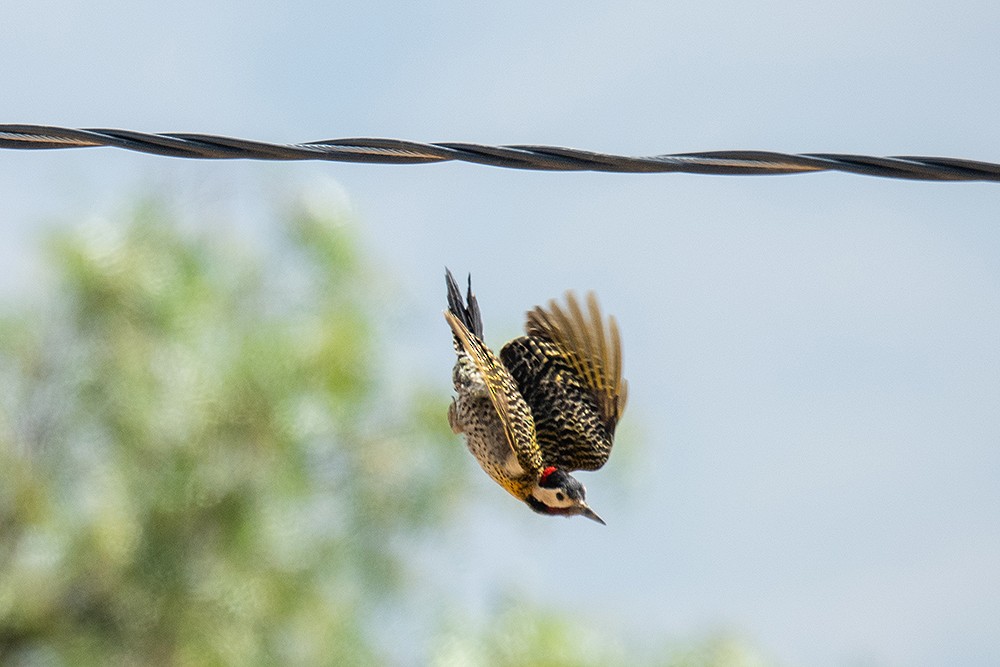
(514, 413)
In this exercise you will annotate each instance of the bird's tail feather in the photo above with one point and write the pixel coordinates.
(466, 310)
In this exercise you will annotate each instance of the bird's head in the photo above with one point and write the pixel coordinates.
(559, 493)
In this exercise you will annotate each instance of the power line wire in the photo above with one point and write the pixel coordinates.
(544, 158)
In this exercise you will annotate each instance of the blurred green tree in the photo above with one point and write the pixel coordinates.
(199, 458)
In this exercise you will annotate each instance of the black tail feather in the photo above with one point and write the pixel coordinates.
(466, 310)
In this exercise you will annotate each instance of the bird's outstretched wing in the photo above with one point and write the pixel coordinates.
(569, 370)
(514, 413)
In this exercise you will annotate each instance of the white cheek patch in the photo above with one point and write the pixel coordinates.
(551, 497)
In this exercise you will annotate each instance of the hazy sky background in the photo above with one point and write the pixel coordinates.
(813, 435)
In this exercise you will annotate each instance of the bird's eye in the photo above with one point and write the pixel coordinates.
(560, 496)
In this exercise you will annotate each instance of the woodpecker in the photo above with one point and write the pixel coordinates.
(546, 406)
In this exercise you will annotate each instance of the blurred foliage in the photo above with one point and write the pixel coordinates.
(195, 463)
(203, 460)
(520, 634)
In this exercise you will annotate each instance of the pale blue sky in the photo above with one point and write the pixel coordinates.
(813, 360)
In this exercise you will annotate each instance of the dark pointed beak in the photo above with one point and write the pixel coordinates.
(591, 514)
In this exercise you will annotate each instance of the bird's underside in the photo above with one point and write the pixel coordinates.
(488, 436)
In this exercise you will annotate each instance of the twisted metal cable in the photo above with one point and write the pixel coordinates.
(546, 158)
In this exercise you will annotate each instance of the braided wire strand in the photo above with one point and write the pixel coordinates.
(543, 158)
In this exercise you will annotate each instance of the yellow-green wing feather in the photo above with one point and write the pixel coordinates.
(515, 416)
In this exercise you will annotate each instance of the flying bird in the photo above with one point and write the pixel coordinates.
(546, 406)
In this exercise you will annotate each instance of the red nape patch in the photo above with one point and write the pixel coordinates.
(545, 473)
